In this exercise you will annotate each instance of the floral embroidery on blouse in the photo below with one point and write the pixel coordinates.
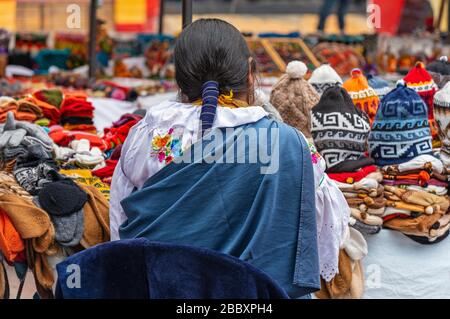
(315, 156)
(165, 147)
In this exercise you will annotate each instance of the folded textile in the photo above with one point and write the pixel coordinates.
(96, 216)
(366, 218)
(64, 137)
(437, 190)
(49, 111)
(106, 171)
(11, 245)
(364, 228)
(421, 162)
(351, 165)
(28, 106)
(76, 106)
(116, 135)
(427, 200)
(76, 120)
(51, 96)
(89, 128)
(125, 118)
(431, 182)
(352, 177)
(419, 226)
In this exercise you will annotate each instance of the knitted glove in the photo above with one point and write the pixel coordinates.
(11, 136)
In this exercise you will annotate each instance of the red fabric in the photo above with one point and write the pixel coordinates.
(353, 177)
(63, 137)
(76, 106)
(116, 136)
(106, 171)
(396, 215)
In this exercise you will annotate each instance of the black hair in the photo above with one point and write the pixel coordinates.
(211, 50)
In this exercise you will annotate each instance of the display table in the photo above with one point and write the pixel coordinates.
(398, 267)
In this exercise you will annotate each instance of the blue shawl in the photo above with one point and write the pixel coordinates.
(261, 212)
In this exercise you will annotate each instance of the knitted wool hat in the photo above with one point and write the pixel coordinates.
(421, 81)
(51, 96)
(68, 228)
(380, 85)
(362, 94)
(442, 116)
(440, 71)
(62, 197)
(339, 128)
(323, 77)
(294, 97)
(400, 131)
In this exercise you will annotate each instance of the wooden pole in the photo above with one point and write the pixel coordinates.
(161, 16)
(186, 12)
(92, 38)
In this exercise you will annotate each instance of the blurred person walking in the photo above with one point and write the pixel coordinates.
(325, 11)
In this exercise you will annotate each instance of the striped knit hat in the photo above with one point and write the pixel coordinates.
(421, 81)
(339, 129)
(362, 94)
(440, 71)
(400, 131)
(324, 77)
(381, 86)
(442, 116)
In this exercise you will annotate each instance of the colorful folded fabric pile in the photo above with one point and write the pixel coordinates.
(47, 209)
(77, 114)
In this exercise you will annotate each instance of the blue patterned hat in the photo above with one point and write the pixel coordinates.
(380, 85)
(400, 131)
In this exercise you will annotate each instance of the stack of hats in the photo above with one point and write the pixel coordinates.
(324, 77)
(440, 71)
(442, 116)
(416, 194)
(362, 94)
(381, 86)
(400, 131)
(294, 97)
(415, 182)
(365, 196)
(340, 132)
(77, 114)
(421, 81)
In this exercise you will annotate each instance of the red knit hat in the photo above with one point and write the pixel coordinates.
(421, 81)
